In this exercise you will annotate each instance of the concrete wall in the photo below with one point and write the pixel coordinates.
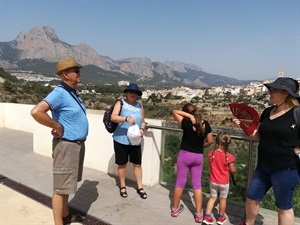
(99, 144)
(16, 116)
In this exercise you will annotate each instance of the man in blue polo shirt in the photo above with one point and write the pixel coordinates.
(69, 129)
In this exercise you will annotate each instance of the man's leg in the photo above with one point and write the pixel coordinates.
(58, 208)
(66, 206)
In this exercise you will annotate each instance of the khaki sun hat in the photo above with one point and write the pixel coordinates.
(66, 64)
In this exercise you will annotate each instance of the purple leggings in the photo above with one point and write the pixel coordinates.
(189, 161)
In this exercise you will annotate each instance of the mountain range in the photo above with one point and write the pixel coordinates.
(39, 49)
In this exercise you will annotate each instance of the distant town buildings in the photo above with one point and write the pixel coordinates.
(123, 83)
(251, 89)
(31, 76)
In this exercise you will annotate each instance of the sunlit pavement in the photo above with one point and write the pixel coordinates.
(97, 196)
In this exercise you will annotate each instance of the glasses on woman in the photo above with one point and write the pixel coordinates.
(131, 91)
(273, 90)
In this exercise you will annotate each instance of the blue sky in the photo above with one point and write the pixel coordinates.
(244, 39)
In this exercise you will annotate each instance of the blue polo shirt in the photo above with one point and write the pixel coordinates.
(66, 111)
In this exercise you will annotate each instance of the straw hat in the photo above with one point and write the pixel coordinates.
(65, 64)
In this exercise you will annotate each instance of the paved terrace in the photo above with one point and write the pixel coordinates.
(97, 196)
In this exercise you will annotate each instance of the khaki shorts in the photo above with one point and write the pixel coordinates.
(67, 165)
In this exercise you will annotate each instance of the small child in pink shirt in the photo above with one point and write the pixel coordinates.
(221, 164)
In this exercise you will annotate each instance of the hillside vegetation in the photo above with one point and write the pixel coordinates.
(100, 97)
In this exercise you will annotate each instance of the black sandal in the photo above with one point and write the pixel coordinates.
(73, 218)
(123, 194)
(142, 193)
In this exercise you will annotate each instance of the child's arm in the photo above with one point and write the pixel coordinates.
(232, 168)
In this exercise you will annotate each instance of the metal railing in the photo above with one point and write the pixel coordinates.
(234, 137)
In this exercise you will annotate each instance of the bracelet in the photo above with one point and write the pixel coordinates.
(142, 128)
(126, 119)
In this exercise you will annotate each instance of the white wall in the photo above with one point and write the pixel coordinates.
(99, 144)
(16, 116)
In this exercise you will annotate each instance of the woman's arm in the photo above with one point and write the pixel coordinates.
(209, 140)
(115, 114)
(254, 135)
(179, 115)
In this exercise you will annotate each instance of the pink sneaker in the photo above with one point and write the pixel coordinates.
(221, 220)
(199, 217)
(243, 222)
(208, 220)
(175, 212)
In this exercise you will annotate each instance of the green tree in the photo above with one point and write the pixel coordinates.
(172, 145)
(8, 86)
(169, 95)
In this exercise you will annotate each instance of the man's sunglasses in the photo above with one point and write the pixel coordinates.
(77, 71)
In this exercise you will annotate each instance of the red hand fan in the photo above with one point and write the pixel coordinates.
(247, 115)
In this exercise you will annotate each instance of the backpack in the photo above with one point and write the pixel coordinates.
(110, 125)
(296, 114)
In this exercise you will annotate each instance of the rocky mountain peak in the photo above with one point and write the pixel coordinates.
(141, 66)
(35, 36)
(41, 42)
(182, 67)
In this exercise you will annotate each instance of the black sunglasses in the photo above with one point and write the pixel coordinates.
(77, 71)
(273, 90)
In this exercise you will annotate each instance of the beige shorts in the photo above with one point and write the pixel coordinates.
(222, 189)
(68, 160)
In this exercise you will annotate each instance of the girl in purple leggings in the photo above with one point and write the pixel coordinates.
(197, 135)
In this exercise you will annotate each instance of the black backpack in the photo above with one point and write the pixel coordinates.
(296, 114)
(110, 125)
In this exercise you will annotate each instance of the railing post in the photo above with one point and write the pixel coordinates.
(250, 162)
(250, 152)
(162, 156)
